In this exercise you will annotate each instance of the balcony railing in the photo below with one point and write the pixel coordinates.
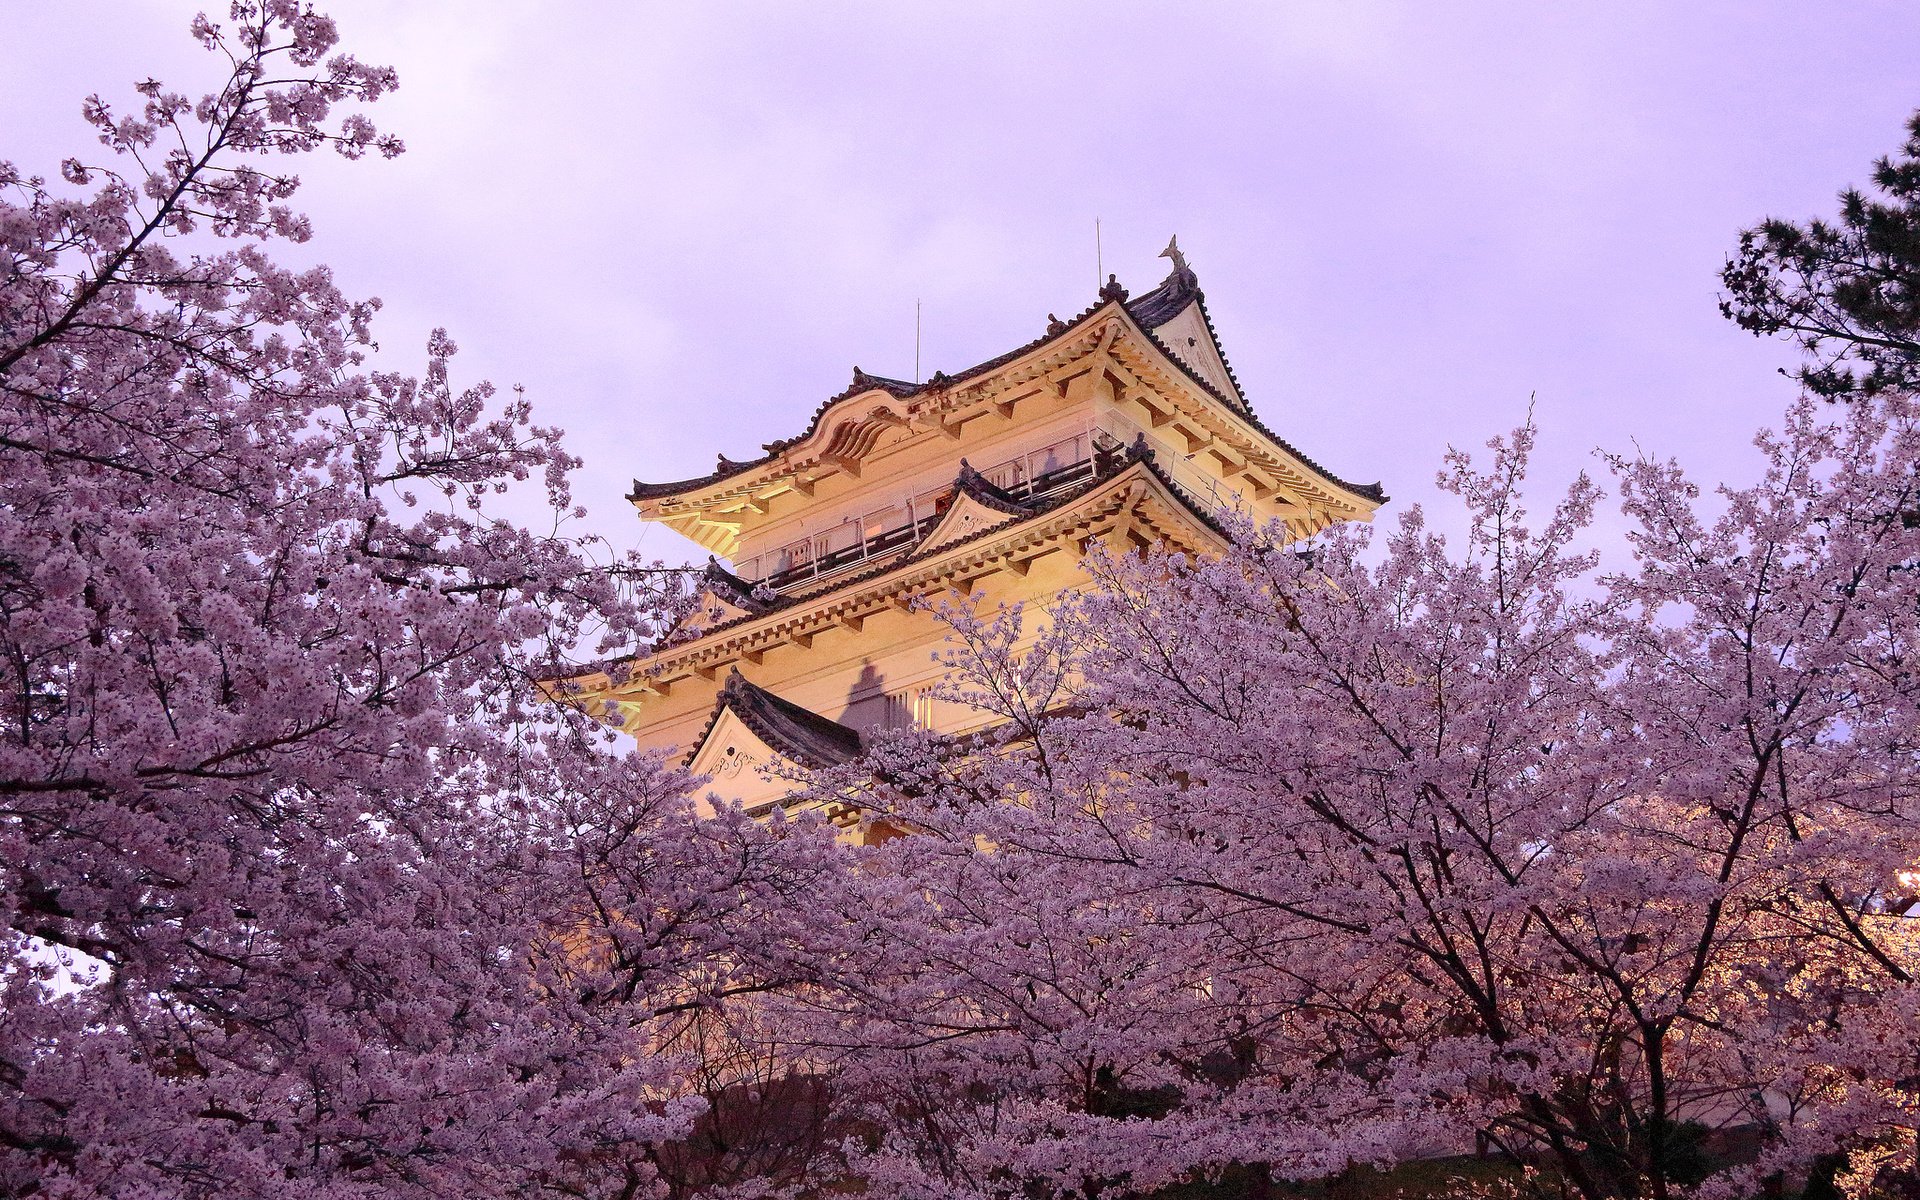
(838, 560)
(1105, 454)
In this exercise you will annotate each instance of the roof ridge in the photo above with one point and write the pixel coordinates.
(1179, 285)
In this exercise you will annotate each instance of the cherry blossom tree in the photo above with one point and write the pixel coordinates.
(1312, 857)
(307, 890)
(1284, 861)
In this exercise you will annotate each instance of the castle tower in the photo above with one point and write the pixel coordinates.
(1124, 425)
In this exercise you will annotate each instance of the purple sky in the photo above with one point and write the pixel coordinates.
(681, 225)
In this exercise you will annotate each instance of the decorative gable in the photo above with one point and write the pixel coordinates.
(782, 727)
(964, 518)
(1187, 337)
(976, 505)
(723, 597)
(740, 764)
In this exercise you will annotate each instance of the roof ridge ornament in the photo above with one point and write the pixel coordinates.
(743, 594)
(1182, 273)
(1113, 290)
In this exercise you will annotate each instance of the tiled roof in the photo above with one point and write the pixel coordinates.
(1138, 452)
(1150, 310)
(862, 382)
(806, 737)
(1374, 491)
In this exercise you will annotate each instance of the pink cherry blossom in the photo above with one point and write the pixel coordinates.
(1308, 857)
(308, 889)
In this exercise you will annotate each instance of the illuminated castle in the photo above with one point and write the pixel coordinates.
(1124, 425)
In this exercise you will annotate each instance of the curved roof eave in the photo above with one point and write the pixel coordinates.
(1035, 511)
(584, 688)
(862, 384)
(1159, 306)
(1374, 493)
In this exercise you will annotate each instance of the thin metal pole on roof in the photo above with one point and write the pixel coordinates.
(916, 339)
(1099, 261)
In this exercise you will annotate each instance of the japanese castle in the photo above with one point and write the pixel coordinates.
(1123, 426)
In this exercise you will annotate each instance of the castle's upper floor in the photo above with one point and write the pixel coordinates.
(876, 468)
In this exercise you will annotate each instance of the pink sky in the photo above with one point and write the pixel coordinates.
(679, 226)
